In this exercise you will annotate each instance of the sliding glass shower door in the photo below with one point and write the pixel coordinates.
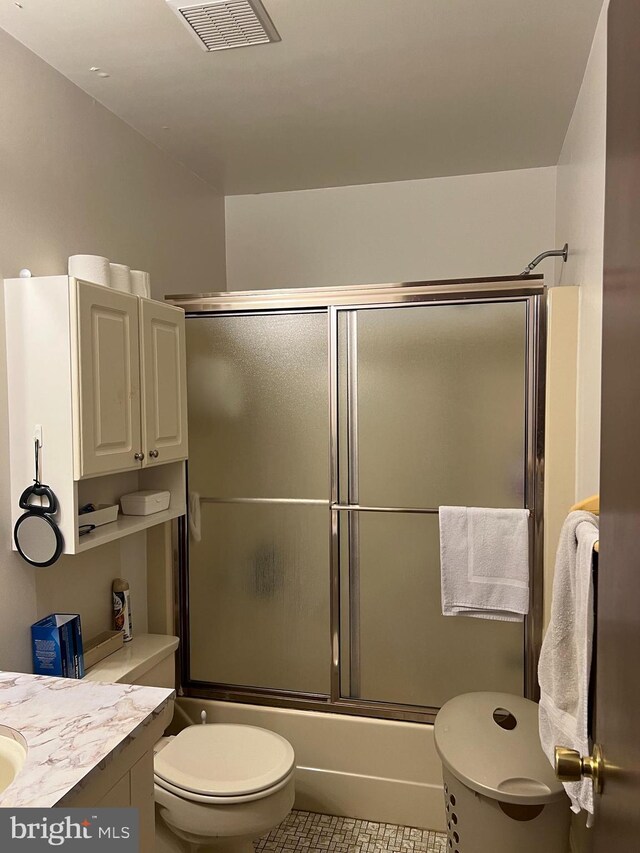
(322, 443)
(434, 414)
(259, 466)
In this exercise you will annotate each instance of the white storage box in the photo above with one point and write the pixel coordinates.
(145, 502)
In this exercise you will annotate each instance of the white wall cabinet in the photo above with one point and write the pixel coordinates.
(101, 376)
(130, 374)
(164, 402)
(107, 376)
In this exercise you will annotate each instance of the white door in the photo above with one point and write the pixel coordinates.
(164, 381)
(108, 374)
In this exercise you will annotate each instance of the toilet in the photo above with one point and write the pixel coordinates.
(218, 786)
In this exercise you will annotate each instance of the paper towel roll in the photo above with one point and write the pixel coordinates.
(91, 268)
(141, 283)
(120, 277)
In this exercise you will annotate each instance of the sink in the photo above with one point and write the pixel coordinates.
(13, 751)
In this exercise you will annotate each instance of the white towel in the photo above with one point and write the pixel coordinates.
(565, 658)
(484, 562)
(195, 517)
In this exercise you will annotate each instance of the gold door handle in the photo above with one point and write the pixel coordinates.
(572, 767)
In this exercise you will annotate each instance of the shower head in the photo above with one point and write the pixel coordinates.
(552, 253)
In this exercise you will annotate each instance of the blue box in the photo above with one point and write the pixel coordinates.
(56, 643)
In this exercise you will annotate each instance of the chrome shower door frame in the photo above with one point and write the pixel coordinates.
(348, 300)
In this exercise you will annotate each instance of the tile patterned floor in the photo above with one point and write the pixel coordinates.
(307, 832)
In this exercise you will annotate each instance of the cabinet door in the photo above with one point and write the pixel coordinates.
(108, 373)
(164, 381)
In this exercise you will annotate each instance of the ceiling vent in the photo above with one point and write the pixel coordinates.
(223, 24)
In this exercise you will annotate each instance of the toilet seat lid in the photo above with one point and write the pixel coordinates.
(225, 760)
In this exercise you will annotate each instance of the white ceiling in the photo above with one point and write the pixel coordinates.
(357, 91)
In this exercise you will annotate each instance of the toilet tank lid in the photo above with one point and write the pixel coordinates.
(225, 760)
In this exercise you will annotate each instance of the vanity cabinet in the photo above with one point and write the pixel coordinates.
(99, 378)
(127, 781)
(131, 380)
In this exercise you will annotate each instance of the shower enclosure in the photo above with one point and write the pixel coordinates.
(326, 427)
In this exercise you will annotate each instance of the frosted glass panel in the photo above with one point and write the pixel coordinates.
(258, 406)
(441, 405)
(409, 652)
(259, 597)
(431, 410)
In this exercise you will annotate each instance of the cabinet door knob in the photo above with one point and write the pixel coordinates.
(154, 454)
(138, 457)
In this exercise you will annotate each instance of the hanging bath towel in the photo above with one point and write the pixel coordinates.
(484, 562)
(565, 658)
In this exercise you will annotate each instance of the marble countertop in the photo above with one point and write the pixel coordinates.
(70, 727)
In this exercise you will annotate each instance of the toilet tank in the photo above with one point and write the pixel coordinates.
(148, 659)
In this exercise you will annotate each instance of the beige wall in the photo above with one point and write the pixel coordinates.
(560, 437)
(466, 226)
(580, 221)
(74, 178)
